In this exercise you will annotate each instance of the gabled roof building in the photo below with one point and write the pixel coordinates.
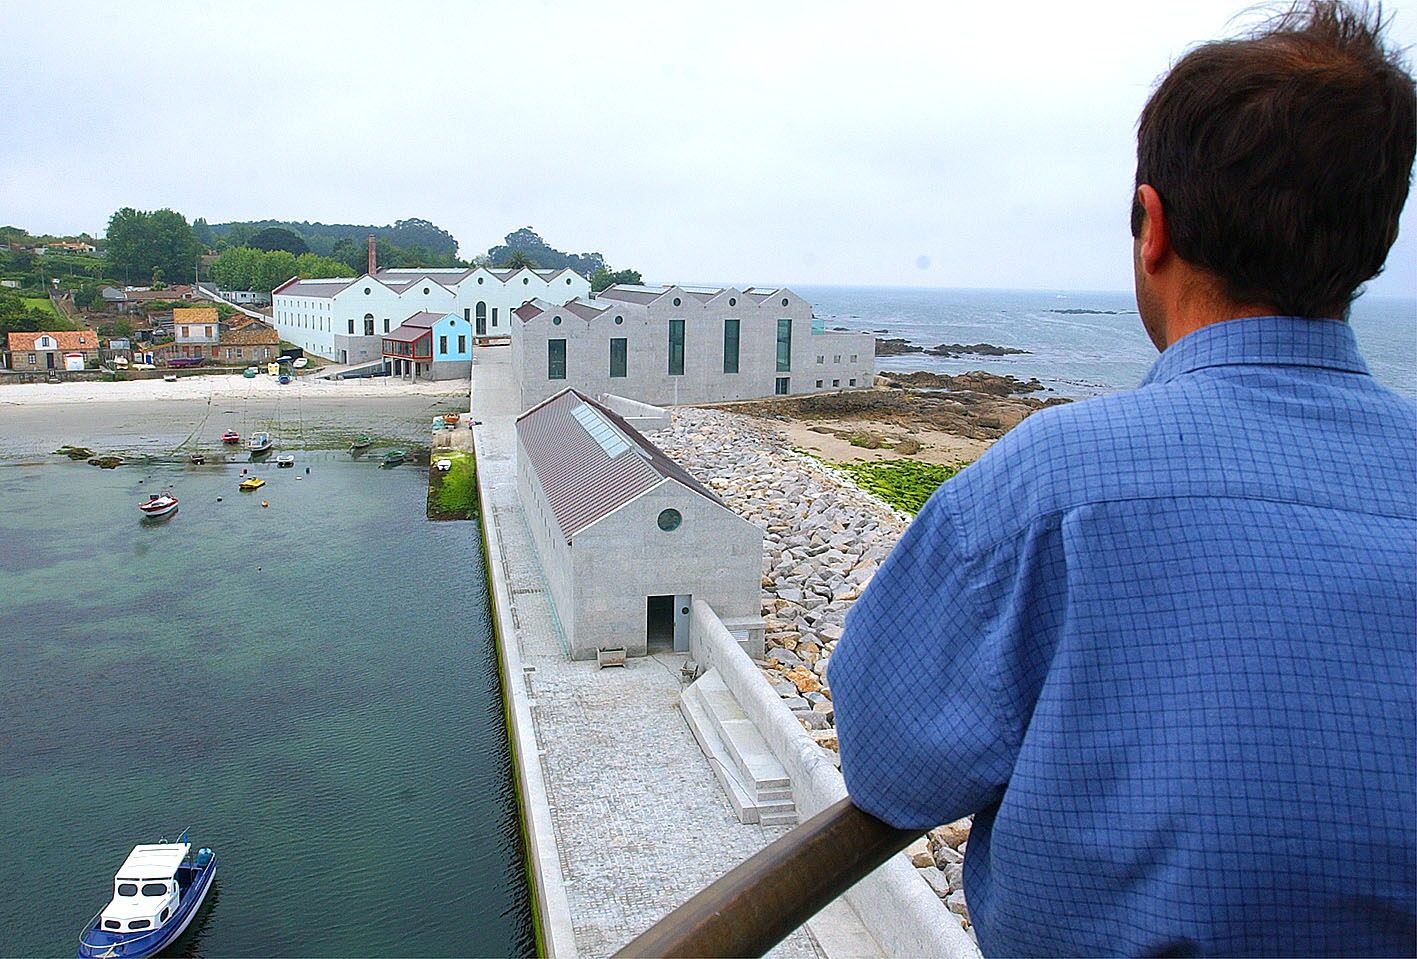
(684, 344)
(344, 319)
(627, 537)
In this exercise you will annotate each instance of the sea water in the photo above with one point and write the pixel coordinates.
(310, 687)
(1079, 343)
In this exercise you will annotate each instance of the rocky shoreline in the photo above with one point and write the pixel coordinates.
(897, 346)
(823, 541)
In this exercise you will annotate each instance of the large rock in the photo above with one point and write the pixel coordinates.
(918, 853)
(936, 879)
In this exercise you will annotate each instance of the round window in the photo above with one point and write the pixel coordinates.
(676, 301)
(733, 301)
(366, 291)
(619, 320)
(425, 291)
(556, 320)
(525, 281)
(479, 281)
(784, 301)
(669, 520)
(568, 281)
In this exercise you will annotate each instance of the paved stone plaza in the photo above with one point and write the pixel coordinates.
(640, 822)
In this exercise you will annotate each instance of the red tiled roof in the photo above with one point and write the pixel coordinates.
(66, 339)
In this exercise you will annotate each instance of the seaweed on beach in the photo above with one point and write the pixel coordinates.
(904, 484)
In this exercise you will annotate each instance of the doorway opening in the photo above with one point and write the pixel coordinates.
(659, 623)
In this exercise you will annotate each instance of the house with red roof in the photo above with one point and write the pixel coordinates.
(52, 350)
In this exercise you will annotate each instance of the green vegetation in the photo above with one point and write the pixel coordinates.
(904, 484)
(156, 245)
(247, 268)
(279, 238)
(453, 494)
(602, 278)
(41, 304)
(414, 236)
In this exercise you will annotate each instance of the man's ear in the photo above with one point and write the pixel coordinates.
(1154, 239)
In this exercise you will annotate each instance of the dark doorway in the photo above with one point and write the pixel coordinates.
(49, 362)
(659, 622)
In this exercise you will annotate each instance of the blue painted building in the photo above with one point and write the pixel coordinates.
(432, 346)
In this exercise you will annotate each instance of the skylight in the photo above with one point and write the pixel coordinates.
(602, 432)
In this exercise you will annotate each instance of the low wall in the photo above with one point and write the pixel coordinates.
(642, 416)
(898, 907)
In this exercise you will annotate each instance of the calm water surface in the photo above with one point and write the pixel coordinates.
(312, 688)
(1074, 353)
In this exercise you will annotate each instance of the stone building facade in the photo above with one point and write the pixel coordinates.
(628, 539)
(677, 345)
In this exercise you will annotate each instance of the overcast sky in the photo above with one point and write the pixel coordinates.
(867, 143)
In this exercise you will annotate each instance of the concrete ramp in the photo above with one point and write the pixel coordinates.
(751, 776)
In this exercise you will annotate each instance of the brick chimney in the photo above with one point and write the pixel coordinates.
(373, 267)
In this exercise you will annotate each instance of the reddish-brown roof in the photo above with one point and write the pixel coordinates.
(527, 311)
(408, 334)
(193, 315)
(582, 480)
(67, 340)
(254, 333)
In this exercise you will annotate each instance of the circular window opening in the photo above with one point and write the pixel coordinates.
(784, 301)
(733, 301)
(366, 291)
(556, 320)
(525, 281)
(676, 301)
(619, 320)
(568, 281)
(669, 520)
(479, 281)
(425, 291)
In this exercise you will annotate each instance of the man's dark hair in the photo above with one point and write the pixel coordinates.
(1283, 158)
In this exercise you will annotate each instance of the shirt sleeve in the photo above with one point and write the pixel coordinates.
(936, 673)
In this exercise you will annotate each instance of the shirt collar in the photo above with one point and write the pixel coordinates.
(1261, 341)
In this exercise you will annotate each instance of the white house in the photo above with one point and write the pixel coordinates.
(628, 538)
(678, 344)
(344, 319)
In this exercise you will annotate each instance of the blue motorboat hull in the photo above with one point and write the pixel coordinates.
(98, 943)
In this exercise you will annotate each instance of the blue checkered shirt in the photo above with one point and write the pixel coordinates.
(1163, 645)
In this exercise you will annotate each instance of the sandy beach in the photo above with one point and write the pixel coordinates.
(151, 418)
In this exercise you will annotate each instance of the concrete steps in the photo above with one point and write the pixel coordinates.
(754, 781)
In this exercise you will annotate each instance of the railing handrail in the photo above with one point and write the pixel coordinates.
(759, 902)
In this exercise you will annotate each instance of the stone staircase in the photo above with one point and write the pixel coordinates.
(754, 781)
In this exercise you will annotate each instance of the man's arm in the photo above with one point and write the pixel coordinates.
(931, 681)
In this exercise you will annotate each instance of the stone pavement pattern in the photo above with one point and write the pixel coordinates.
(640, 821)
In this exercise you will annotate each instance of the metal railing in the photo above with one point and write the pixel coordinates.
(759, 902)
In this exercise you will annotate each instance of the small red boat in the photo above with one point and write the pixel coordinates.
(231, 437)
(164, 505)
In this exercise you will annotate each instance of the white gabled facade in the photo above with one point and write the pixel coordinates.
(345, 319)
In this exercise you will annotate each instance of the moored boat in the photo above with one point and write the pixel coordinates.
(252, 482)
(156, 894)
(393, 458)
(198, 459)
(260, 443)
(231, 437)
(158, 506)
(285, 461)
(361, 443)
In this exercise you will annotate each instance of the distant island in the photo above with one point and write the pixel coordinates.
(1085, 312)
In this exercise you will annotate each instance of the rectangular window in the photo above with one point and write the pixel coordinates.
(443, 345)
(730, 346)
(837, 358)
(819, 384)
(494, 316)
(208, 331)
(555, 359)
(836, 383)
(676, 347)
(467, 313)
(781, 388)
(853, 357)
(851, 382)
(351, 327)
(821, 358)
(619, 354)
(386, 324)
(784, 346)
(32, 359)
(186, 332)
(462, 343)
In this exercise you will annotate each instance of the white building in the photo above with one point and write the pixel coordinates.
(628, 538)
(676, 344)
(344, 319)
